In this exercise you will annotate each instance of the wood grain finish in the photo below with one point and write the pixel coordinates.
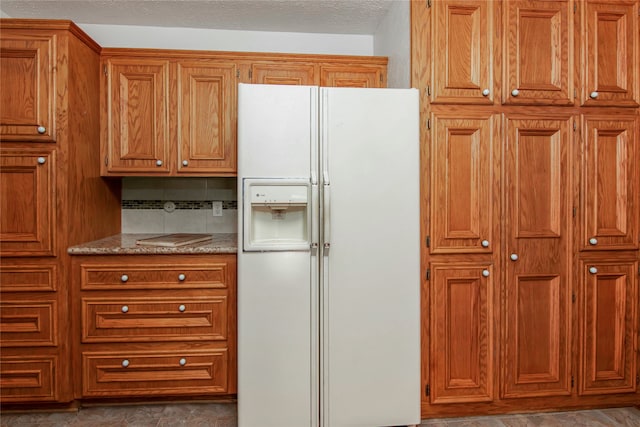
(28, 379)
(352, 76)
(28, 323)
(28, 277)
(279, 73)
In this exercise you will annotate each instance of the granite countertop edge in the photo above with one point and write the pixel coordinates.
(125, 244)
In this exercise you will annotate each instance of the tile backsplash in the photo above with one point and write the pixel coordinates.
(144, 199)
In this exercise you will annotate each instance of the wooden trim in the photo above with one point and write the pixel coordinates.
(48, 25)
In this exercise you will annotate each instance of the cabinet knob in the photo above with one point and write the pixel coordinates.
(486, 92)
(593, 241)
(514, 257)
(181, 277)
(515, 92)
(485, 243)
(41, 129)
(41, 160)
(185, 163)
(124, 278)
(158, 162)
(593, 270)
(485, 273)
(125, 363)
(183, 361)
(593, 95)
(181, 308)
(124, 309)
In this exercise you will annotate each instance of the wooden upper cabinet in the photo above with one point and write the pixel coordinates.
(282, 73)
(610, 183)
(137, 114)
(462, 52)
(465, 182)
(608, 322)
(27, 203)
(206, 117)
(27, 64)
(538, 44)
(352, 76)
(609, 49)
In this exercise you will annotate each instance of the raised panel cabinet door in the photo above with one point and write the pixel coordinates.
(462, 52)
(461, 333)
(610, 57)
(465, 182)
(28, 378)
(279, 73)
(137, 115)
(352, 76)
(537, 327)
(610, 162)
(609, 322)
(27, 97)
(27, 201)
(538, 43)
(206, 117)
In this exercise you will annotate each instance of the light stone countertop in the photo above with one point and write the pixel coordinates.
(125, 244)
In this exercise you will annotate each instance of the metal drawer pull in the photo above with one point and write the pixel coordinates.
(158, 162)
(183, 361)
(486, 92)
(515, 92)
(41, 160)
(124, 309)
(125, 363)
(185, 163)
(181, 277)
(514, 257)
(593, 94)
(41, 129)
(485, 243)
(182, 308)
(593, 241)
(593, 270)
(124, 278)
(485, 273)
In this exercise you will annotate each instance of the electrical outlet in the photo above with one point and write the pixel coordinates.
(216, 208)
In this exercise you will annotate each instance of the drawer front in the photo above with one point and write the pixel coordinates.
(28, 323)
(27, 379)
(154, 319)
(153, 276)
(154, 373)
(19, 278)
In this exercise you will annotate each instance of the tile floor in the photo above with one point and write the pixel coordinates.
(224, 415)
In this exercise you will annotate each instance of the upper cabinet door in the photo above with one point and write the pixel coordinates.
(206, 117)
(352, 76)
(462, 52)
(278, 73)
(28, 91)
(137, 127)
(610, 53)
(538, 43)
(609, 183)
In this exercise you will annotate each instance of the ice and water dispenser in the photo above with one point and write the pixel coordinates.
(276, 214)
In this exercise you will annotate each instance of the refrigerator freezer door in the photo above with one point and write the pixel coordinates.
(371, 290)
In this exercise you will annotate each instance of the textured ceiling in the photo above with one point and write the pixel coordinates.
(307, 16)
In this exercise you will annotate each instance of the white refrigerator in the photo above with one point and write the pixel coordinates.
(328, 257)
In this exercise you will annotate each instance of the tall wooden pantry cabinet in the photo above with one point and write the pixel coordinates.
(530, 199)
(51, 197)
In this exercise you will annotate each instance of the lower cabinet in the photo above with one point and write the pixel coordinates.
(155, 325)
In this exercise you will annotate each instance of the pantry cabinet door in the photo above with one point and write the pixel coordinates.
(537, 326)
(283, 73)
(206, 117)
(465, 182)
(609, 322)
(538, 41)
(610, 182)
(610, 38)
(136, 133)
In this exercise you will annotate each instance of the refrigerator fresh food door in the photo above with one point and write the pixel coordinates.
(370, 301)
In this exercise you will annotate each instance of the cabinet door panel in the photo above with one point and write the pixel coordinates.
(27, 199)
(462, 51)
(207, 117)
(352, 76)
(539, 53)
(609, 320)
(283, 74)
(465, 183)
(538, 304)
(27, 96)
(137, 115)
(28, 323)
(610, 183)
(610, 53)
(461, 333)
(28, 378)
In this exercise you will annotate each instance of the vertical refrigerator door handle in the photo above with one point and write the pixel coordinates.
(315, 211)
(326, 217)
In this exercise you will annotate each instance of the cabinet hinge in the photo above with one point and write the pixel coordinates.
(104, 70)
(427, 241)
(428, 123)
(428, 5)
(575, 93)
(250, 73)
(427, 390)
(575, 211)
(572, 381)
(637, 379)
(106, 160)
(573, 298)
(429, 90)
(575, 8)
(237, 73)
(428, 275)
(381, 78)
(575, 126)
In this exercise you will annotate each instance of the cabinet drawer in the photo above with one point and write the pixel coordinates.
(27, 323)
(27, 378)
(146, 373)
(153, 276)
(153, 319)
(19, 278)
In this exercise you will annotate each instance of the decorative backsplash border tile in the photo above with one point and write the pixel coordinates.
(180, 204)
